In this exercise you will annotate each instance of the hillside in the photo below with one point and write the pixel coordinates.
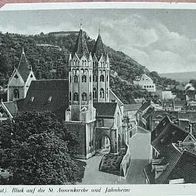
(48, 54)
(180, 76)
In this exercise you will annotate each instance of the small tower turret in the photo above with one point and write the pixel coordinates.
(101, 72)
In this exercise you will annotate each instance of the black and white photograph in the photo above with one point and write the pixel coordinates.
(98, 96)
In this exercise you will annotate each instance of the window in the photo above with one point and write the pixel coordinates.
(76, 97)
(16, 93)
(101, 93)
(83, 78)
(94, 78)
(31, 75)
(84, 97)
(102, 78)
(69, 95)
(75, 79)
(90, 79)
(70, 79)
(94, 93)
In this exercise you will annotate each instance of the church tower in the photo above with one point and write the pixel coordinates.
(101, 72)
(81, 81)
(20, 80)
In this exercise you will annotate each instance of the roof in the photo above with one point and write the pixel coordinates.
(148, 113)
(46, 95)
(144, 106)
(11, 107)
(180, 164)
(105, 109)
(167, 133)
(81, 47)
(171, 157)
(132, 107)
(188, 115)
(160, 114)
(24, 67)
(99, 48)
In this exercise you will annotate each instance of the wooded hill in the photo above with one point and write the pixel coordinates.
(48, 55)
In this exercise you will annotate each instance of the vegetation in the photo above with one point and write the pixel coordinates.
(35, 149)
(48, 54)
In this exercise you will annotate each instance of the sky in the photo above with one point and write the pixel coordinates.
(162, 40)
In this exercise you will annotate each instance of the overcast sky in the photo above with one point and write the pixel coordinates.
(161, 40)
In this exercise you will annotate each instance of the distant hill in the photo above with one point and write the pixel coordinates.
(180, 76)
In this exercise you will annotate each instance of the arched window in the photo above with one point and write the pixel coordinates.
(101, 93)
(70, 79)
(107, 77)
(69, 95)
(76, 97)
(89, 78)
(16, 93)
(94, 93)
(83, 78)
(102, 78)
(84, 97)
(75, 79)
(94, 78)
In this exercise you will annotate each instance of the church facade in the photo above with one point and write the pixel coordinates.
(84, 101)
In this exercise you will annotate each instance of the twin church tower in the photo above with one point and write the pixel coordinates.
(89, 75)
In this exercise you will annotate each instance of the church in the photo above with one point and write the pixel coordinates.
(84, 101)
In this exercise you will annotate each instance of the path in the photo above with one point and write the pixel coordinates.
(135, 173)
(92, 175)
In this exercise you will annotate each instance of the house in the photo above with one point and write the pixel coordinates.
(84, 101)
(168, 161)
(175, 166)
(146, 83)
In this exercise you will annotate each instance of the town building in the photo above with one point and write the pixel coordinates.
(145, 82)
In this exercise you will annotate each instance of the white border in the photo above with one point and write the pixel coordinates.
(97, 5)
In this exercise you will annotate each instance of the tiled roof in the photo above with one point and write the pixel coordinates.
(171, 157)
(99, 48)
(47, 95)
(11, 107)
(105, 109)
(167, 134)
(81, 47)
(144, 106)
(24, 67)
(189, 115)
(180, 164)
(132, 107)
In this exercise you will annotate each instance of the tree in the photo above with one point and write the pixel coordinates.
(35, 149)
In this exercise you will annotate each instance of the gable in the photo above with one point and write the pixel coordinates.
(3, 113)
(16, 79)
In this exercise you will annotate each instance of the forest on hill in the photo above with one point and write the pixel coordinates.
(48, 55)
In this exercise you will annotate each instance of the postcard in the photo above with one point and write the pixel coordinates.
(98, 98)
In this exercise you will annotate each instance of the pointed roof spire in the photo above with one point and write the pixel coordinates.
(24, 67)
(99, 48)
(81, 47)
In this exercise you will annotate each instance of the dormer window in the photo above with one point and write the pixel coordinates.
(49, 99)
